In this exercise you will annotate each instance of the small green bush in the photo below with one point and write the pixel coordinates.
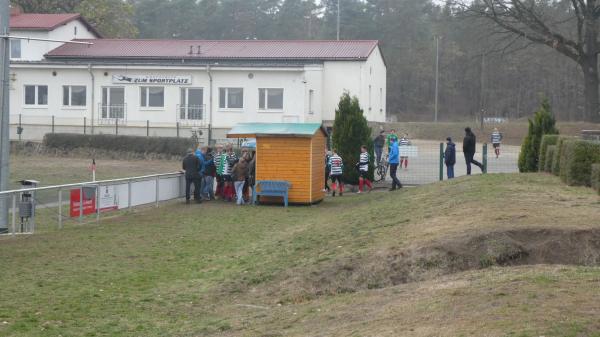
(136, 144)
(557, 155)
(547, 140)
(550, 156)
(595, 178)
(543, 123)
(579, 155)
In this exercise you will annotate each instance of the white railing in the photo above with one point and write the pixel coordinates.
(125, 193)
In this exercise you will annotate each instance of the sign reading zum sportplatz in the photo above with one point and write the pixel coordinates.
(152, 79)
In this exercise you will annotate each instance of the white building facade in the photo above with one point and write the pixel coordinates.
(192, 83)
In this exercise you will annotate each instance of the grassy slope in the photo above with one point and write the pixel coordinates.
(219, 270)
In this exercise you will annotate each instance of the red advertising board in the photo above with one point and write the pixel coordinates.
(89, 202)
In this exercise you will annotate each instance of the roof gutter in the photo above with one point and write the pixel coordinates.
(210, 103)
(93, 91)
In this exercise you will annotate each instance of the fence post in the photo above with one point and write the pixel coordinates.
(147, 128)
(177, 125)
(485, 160)
(157, 190)
(129, 194)
(52, 123)
(441, 161)
(84, 124)
(59, 208)
(116, 126)
(14, 214)
(97, 203)
(81, 204)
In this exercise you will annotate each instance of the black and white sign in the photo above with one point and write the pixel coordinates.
(152, 79)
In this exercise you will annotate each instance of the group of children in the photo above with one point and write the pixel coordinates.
(335, 169)
(234, 175)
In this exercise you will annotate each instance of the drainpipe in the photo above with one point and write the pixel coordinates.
(93, 91)
(210, 104)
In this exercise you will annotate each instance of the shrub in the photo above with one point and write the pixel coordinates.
(136, 144)
(579, 155)
(595, 178)
(547, 140)
(557, 155)
(543, 123)
(550, 156)
(350, 132)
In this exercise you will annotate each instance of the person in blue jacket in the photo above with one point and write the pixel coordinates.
(450, 157)
(394, 160)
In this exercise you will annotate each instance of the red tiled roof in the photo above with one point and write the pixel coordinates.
(45, 22)
(223, 49)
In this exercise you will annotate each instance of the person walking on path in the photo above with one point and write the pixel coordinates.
(336, 166)
(394, 162)
(391, 137)
(363, 169)
(496, 139)
(208, 174)
(191, 166)
(469, 146)
(379, 143)
(450, 157)
(239, 174)
(404, 142)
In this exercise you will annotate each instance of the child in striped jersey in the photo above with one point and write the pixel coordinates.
(363, 168)
(218, 156)
(227, 163)
(404, 142)
(336, 167)
(496, 140)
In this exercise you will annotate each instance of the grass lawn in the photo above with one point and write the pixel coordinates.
(333, 269)
(50, 170)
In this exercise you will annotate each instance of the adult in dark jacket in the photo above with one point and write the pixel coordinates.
(379, 143)
(469, 145)
(450, 157)
(191, 166)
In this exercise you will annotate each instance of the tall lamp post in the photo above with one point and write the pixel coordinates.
(4, 114)
(338, 21)
(437, 76)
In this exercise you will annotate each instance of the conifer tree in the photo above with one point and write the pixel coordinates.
(350, 132)
(543, 123)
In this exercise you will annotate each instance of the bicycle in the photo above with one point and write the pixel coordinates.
(381, 169)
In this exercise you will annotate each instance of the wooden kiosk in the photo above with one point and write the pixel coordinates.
(294, 152)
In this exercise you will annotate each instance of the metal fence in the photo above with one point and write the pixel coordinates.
(114, 121)
(51, 207)
(424, 163)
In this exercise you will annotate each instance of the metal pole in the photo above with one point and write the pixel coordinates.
(157, 190)
(80, 204)
(437, 75)
(177, 125)
(147, 128)
(5, 113)
(52, 123)
(338, 20)
(116, 126)
(441, 161)
(485, 161)
(14, 213)
(84, 124)
(97, 203)
(129, 194)
(481, 87)
(20, 126)
(60, 206)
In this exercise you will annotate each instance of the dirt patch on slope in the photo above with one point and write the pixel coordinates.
(466, 252)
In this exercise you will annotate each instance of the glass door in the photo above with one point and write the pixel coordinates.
(113, 102)
(192, 103)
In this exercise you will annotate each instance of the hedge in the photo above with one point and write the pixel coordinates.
(557, 155)
(136, 144)
(547, 140)
(595, 179)
(579, 155)
(550, 156)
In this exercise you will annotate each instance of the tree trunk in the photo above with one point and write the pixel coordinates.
(591, 88)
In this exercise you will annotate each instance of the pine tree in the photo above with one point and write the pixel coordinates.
(543, 123)
(350, 132)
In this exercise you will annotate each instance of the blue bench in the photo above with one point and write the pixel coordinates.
(271, 188)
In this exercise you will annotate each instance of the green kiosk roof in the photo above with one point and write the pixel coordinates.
(275, 129)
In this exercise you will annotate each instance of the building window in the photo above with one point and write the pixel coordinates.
(311, 101)
(113, 102)
(152, 97)
(15, 49)
(231, 98)
(270, 99)
(192, 103)
(36, 95)
(74, 95)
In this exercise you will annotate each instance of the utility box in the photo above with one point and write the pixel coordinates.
(27, 205)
